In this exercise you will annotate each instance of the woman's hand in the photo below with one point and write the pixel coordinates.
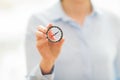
(48, 50)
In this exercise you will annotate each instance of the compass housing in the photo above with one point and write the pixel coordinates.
(54, 34)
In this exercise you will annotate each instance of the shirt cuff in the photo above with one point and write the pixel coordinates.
(36, 74)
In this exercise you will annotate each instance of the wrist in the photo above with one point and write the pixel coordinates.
(46, 66)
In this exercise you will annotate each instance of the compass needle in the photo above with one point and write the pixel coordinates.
(55, 33)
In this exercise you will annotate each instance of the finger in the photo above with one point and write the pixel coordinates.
(40, 43)
(49, 25)
(61, 42)
(42, 29)
(40, 35)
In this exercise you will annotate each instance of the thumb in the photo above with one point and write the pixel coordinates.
(61, 42)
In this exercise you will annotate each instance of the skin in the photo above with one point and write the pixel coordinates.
(49, 51)
(77, 10)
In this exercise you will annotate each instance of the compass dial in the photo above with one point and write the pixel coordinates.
(54, 34)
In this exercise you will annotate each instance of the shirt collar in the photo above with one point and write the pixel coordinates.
(57, 13)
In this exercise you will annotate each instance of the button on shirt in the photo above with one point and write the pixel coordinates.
(90, 52)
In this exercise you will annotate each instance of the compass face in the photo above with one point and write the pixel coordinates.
(54, 34)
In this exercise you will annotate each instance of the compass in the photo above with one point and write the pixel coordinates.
(54, 34)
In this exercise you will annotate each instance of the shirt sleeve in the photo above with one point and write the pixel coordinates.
(31, 51)
(117, 63)
(37, 75)
(117, 59)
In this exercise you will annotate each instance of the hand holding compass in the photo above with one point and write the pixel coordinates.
(49, 42)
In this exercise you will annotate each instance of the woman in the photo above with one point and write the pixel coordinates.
(90, 48)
